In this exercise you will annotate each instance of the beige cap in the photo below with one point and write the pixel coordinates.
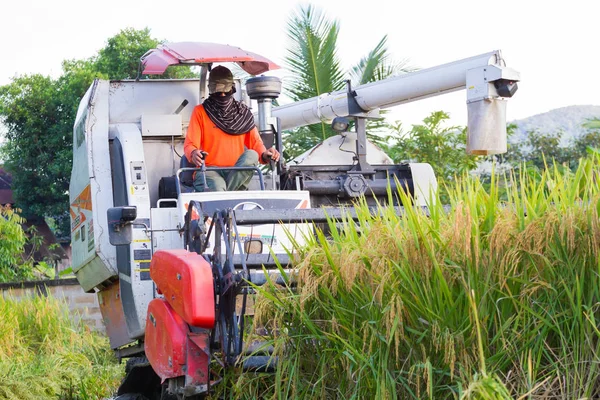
(220, 80)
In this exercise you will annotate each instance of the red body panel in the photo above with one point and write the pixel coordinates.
(165, 340)
(174, 351)
(157, 60)
(185, 280)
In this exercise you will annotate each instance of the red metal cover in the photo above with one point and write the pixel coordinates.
(165, 340)
(157, 60)
(185, 279)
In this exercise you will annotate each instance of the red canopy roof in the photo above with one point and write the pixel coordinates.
(156, 61)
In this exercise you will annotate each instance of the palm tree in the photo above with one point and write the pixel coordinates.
(315, 67)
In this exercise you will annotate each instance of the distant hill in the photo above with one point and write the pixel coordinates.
(568, 119)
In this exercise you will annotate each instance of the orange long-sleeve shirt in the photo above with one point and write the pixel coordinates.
(223, 149)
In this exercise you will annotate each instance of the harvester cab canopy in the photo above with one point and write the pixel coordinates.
(156, 61)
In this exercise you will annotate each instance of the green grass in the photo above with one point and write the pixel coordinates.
(45, 355)
(492, 300)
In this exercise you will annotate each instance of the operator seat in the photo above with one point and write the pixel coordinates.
(167, 186)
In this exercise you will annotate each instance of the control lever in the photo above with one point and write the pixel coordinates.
(181, 106)
(273, 166)
(203, 169)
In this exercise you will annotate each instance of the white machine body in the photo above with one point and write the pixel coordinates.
(127, 137)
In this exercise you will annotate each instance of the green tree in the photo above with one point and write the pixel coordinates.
(39, 113)
(12, 246)
(444, 147)
(120, 58)
(38, 147)
(590, 141)
(316, 69)
(539, 149)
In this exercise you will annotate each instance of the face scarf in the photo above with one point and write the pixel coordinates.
(231, 116)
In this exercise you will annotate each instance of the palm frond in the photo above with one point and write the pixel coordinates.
(312, 59)
(365, 70)
(315, 69)
(312, 56)
(377, 65)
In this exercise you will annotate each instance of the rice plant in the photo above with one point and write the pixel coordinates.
(44, 354)
(490, 299)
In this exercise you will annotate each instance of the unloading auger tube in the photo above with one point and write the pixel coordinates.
(333, 177)
(485, 77)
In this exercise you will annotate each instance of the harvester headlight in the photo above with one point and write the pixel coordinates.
(505, 87)
(253, 246)
(340, 124)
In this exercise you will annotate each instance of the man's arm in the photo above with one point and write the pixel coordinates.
(255, 143)
(193, 139)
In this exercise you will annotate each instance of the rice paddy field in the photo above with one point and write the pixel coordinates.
(497, 298)
(44, 354)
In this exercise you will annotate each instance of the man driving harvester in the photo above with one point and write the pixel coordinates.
(222, 133)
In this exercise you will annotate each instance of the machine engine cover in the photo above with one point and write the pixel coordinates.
(186, 281)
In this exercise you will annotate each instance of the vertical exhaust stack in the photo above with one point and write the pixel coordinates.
(264, 89)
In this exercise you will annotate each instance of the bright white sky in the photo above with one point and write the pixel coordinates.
(553, 44)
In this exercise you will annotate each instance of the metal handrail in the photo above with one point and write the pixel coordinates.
(203, 170)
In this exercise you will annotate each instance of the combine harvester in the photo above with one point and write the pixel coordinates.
(171, 266)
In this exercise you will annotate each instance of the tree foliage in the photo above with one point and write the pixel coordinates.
(39, 111)
(12, 245)
(540, 149)
(120, 58)
(38, 150)
(316, 69)
(444, 148)
(435, 143)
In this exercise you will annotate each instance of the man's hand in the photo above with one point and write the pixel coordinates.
(271, 154)
(198, 157)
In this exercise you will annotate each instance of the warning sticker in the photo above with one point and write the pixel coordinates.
(142, 255)
(142, 258)
(144, 271)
